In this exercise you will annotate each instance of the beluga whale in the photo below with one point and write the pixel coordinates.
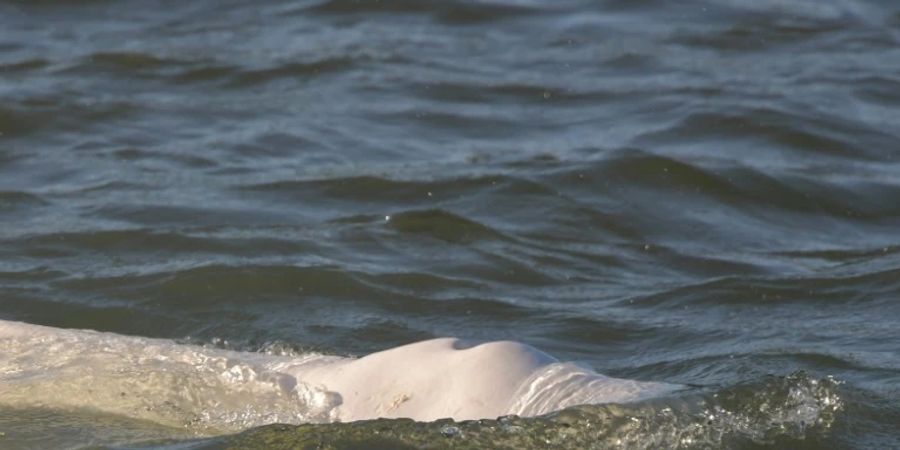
(214, 390)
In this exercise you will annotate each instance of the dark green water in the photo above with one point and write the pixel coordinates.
(699, 192)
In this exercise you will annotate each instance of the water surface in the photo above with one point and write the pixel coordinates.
(702, 192)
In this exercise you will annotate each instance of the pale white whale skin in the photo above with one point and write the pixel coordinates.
(430, 380)
(439, 378)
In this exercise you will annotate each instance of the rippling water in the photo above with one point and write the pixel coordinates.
(701, 192)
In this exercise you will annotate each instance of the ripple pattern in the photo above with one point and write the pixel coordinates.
(702, 192)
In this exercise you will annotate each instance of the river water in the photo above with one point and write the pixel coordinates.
(703, 192)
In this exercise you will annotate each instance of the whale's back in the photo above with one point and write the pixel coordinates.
(213, 390)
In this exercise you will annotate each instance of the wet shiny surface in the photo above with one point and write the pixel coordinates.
(702, 192)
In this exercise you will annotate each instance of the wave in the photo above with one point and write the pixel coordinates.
(31, 115)
(457, 12)
(442, 225)
(792, 132)
(182, 160)
(202, 390)
(26, 65)
(129, 61)
(753, 191)
(836, 288)
(429, 202)
(779, 31)
(846, 256)
(19, 199)
(182, 70)
(368, 188)
(290, 71)
(775, 411)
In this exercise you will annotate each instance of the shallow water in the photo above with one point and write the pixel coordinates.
(701, 192)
